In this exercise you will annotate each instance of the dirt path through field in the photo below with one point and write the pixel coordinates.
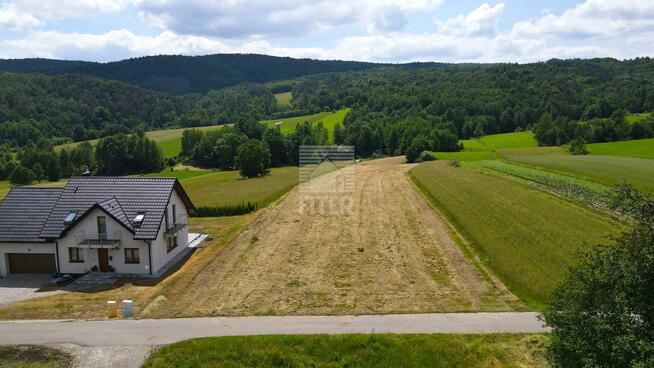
(391, 254)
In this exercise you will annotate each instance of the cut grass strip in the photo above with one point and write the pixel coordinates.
(356, 351)
(528, 237)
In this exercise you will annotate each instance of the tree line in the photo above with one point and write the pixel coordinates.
(114, 155)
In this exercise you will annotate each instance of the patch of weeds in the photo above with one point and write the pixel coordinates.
(254, 239)
(296, 283)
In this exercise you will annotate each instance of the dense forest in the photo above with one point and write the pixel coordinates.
(33, 107)
(177, 74)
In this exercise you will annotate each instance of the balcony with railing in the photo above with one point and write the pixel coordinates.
(179, 223)
(97, 240)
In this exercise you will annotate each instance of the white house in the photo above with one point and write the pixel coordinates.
(118, 224)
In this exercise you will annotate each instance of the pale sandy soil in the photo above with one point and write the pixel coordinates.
(392, 254)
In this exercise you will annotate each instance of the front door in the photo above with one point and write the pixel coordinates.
(103, 259)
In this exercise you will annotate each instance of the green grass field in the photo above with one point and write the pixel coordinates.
(169, 140)
(633, 118)
(487, 147)
(527, 236)
(284, 99)
(355, 351)
(643, 148)
(211, 188)
(329, 120)
(607, 170)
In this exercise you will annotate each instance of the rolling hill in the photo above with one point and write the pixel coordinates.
(178, 74)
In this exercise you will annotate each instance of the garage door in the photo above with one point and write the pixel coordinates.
(31, 263)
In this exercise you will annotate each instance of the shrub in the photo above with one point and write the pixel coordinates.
(577, 147)
(225, 210)
(427, 156)
(455, 163)
(418, 145)
(602, 314)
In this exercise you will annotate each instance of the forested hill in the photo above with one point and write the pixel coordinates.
(34, 106)
(184, 74)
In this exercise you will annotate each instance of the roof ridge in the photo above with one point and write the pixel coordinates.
(121, 208)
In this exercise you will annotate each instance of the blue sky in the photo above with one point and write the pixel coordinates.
(366, 30)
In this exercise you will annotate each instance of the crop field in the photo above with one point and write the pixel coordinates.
(643, 148)
(606, 170)
(356, 351)
(284, 99)
(528, 237)
(211, 188)
(465, 155)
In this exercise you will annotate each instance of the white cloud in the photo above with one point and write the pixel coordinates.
(14, 19)
(22, 15)
(482, 20)
(269, 18)
(114, 45)
(593, 18)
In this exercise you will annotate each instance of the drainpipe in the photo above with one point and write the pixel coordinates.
(150, 255)
(57, 257)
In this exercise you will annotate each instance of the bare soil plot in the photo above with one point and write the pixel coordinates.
(393, 254)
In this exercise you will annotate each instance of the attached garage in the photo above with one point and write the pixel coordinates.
(31, 263)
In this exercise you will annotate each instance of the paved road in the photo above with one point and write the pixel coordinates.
(166, 331)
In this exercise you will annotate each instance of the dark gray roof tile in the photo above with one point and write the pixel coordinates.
(25, 211)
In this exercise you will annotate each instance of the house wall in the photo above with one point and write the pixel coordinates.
(116, 256)
(160, 255)
(35, 248)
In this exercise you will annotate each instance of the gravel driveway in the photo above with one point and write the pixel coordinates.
(17, 287)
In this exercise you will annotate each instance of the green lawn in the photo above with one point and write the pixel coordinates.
(211, 188)
(284, 99)
(636, 148)
(32, 356)
(528, 237)
(355, 351)
(607, 170)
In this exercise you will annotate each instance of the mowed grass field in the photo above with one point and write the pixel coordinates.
(643, 148)
(212, 188)
(528, 237)
(356, 351)
(284, 99)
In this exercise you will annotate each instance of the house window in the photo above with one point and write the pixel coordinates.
(102, 228)
(132, 255)
(172, 243)
(75, 255)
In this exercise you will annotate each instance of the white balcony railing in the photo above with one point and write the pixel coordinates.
(97, 240)
(180, 222)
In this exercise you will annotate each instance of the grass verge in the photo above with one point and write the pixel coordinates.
(384, 350)
(527, 237)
